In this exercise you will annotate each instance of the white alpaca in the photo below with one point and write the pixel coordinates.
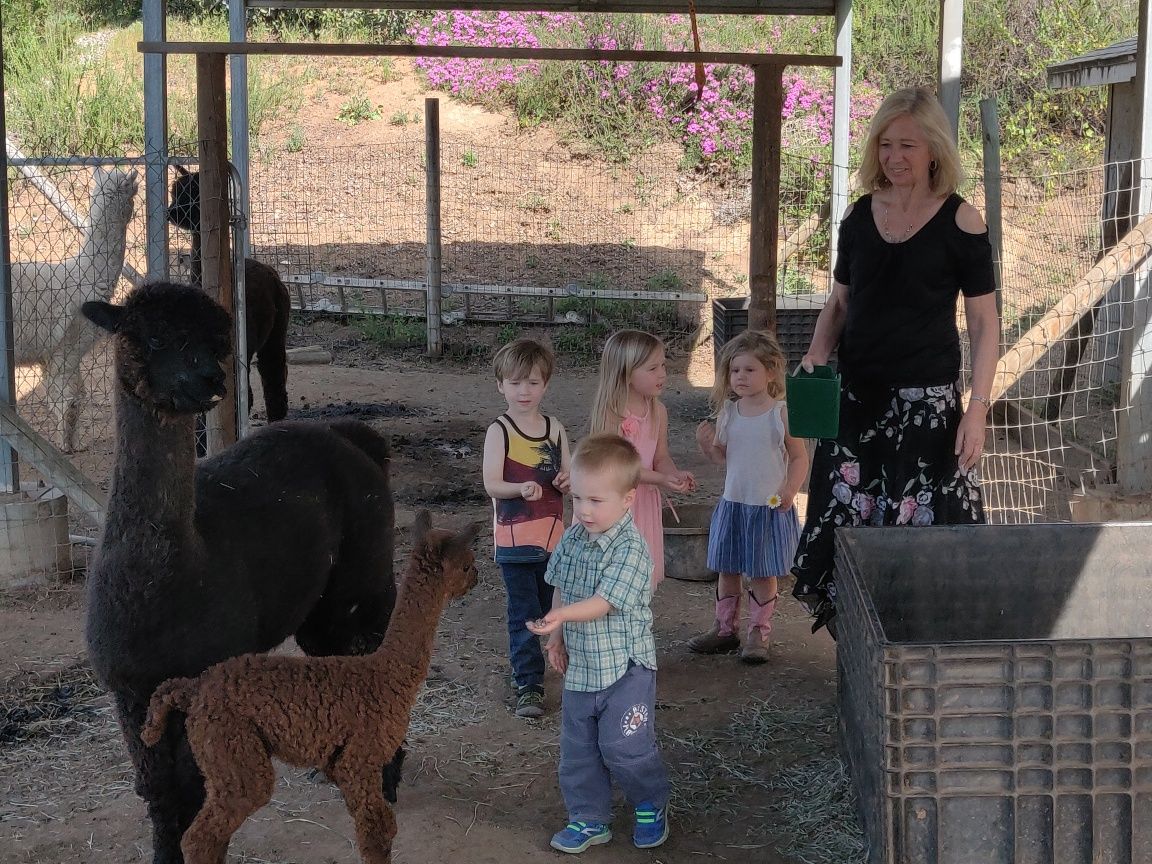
(48, 328)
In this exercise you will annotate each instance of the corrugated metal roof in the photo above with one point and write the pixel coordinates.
(1114, 64)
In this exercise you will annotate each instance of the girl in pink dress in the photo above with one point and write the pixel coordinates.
(632, 376)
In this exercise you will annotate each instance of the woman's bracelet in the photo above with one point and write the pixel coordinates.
(982, 399)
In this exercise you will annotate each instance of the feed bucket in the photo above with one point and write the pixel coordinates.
(813, 402)
(686, 543)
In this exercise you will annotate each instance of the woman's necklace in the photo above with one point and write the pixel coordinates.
(889, 234)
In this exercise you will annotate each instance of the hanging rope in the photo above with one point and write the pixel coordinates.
(692, 99)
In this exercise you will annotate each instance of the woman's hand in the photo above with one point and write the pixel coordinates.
(970, 436)
(557, 652)
(531, 491)
(787, 499)
(563, 482)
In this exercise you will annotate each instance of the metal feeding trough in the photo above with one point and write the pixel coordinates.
(686, 543)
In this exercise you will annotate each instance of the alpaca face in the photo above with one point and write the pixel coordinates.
(113, 193)
(170, 343)
(450, 554)
(184, 211)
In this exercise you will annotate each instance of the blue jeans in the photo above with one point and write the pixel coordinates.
(529, 597)
(610, 735)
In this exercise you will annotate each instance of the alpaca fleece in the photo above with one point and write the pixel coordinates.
(47, 326)
(287, 532)
(344, 715)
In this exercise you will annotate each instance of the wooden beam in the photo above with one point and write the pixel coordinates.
(764, 227)
(1133, 442)
(215, 255)
(52, 465)
(1038, 341)
(704, 7)
(329, 49)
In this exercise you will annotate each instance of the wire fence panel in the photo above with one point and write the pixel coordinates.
(1055, 433)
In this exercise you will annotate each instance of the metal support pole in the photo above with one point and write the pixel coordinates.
(951, 57)
(9, 464)
(841, 122)
(432, 255)
(993, 198)
(764, 234)
(156, 142)
(238, 32)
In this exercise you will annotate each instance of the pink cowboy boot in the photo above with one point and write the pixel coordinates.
(759, 638)
(722, 638)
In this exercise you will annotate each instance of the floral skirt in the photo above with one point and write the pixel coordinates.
(893, 463)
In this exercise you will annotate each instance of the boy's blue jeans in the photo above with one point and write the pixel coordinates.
(610, 735)
(529, 597)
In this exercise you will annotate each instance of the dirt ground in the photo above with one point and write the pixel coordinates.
(751, 750)
(744, 744)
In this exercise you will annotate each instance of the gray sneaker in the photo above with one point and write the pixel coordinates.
(530, 702)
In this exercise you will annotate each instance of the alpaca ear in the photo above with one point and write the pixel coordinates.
(181, 170)
(466, 537)
(421, 526)
(106, 316)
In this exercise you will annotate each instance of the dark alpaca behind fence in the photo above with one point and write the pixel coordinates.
(268, 305)
(287, 532)
(343, 715)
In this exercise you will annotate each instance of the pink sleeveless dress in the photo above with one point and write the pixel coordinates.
(646, 506)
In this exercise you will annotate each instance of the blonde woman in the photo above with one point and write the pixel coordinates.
(910, 247)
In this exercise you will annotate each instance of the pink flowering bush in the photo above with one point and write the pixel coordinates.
(622, 105)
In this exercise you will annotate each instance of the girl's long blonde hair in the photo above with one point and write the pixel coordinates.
(624, 351)
(761, 345)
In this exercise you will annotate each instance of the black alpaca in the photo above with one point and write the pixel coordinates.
(289, 531)
(268, 305)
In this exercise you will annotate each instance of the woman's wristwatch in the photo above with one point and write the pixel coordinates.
(982, 399)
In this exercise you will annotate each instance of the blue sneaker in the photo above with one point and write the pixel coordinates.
(578, 836)
(651, 826)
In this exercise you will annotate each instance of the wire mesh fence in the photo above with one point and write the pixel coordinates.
(529, 233)
(1057, 430)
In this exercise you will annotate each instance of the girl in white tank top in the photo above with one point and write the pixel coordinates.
(754, 528)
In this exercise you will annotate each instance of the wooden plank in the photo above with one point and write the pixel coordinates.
(216, 259)
(1038, 341)
(53, 466)
(329, 49)
(703, 7)
(433, 256)
(764, 227)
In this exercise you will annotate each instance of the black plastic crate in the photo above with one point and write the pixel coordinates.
(996, 691)
(795, 321)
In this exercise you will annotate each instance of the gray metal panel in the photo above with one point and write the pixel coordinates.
(156, 143)
(704, 7)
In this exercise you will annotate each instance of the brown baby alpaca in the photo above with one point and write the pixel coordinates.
(343, 715)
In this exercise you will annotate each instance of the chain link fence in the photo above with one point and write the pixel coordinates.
(532, 234)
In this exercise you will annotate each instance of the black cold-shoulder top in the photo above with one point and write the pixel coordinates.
(900, 330)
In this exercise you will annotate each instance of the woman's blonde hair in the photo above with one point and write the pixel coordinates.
(623, 353)
(923, 107)
(761, 345)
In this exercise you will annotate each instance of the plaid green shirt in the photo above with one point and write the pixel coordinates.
(615, 566)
